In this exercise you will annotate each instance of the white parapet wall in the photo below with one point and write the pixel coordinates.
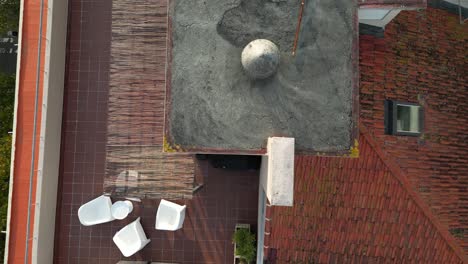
(50, 136)
(277, 171)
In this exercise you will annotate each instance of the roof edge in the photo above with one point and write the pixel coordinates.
(449, 7)
(401, 4)
(49, 154)
(15, 125)
(401, 177)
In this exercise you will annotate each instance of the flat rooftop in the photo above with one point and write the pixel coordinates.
(214, 106)
(227, 197)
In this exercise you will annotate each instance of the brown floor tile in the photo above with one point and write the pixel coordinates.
(226, 198)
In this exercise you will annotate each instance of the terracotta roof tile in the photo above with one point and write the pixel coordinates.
(422, 59)
(347, 210)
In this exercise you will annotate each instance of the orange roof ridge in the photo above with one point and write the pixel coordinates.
(401, 177)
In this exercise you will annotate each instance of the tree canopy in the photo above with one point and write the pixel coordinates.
(7, 98)
(9, 15)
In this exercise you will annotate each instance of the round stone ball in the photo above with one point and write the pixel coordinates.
(260, 58)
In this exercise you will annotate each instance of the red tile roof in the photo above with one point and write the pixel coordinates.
(354, 210)
(402, 199)
(18, 223)
(422, 59)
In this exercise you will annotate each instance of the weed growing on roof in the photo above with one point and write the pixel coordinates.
(354, 151)
(167, 147)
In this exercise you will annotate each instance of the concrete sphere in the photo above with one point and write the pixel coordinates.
(260, 58)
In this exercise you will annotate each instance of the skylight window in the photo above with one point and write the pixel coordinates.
(401, 118)
(373, 13)
(407, 118)
(377, 17)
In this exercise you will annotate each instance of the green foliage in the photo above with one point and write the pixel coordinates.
(9, 20)
(245, 244)
(9, 15)
(7, 97)
(5, 150)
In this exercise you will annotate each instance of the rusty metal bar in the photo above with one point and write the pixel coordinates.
(298, 28)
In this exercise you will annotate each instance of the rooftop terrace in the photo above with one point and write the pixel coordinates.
(344, 209)
(226, 198)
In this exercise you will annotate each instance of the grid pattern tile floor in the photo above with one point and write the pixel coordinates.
(227, 197)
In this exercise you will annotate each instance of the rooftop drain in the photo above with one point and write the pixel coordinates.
(260, 58)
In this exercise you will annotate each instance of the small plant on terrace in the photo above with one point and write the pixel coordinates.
(245, 245)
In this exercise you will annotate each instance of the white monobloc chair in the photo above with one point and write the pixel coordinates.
(170, 216)
(96, 211)
(131, 238)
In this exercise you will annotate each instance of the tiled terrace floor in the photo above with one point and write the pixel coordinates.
(226, 198)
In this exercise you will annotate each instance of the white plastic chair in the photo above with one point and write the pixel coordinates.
(96, 211)
(131, 238)
(170, 216)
